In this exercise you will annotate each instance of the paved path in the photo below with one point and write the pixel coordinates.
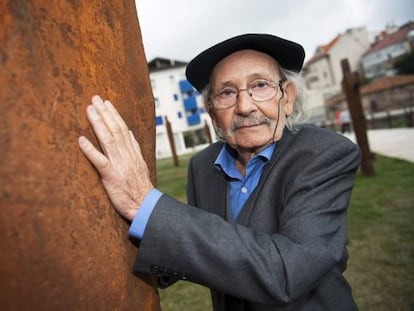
(395, 143)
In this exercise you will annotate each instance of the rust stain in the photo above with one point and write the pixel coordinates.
(62, 243)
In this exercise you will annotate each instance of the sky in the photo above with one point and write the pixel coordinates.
(180, 29)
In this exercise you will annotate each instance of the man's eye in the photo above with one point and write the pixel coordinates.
(227, 92)
(260, 84)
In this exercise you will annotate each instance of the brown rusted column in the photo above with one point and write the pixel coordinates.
(62, 245)
(350, 86)
(171, 141)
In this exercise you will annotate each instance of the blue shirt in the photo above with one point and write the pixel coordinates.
(240, 186)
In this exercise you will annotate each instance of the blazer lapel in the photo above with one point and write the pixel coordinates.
(246, 212)
(219, 197)
(214, 187)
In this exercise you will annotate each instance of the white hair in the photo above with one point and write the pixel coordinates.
(301, 111)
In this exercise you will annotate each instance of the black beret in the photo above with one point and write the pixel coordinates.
(288, 54)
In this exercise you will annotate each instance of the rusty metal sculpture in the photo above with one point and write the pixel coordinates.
(350, 86)
(62, 246)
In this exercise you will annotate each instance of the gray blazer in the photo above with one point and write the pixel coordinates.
(287, 248)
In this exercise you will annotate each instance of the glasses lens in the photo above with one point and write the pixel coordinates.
(226, 97)
(262, 90)
(259, 90)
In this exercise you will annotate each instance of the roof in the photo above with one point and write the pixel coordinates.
(322, 51)
(378, 85)
(385, 39)
(386, 83)
(159, 64)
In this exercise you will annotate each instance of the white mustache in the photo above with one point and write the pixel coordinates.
(249, 121)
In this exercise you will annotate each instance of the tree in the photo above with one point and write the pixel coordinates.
(405, 64)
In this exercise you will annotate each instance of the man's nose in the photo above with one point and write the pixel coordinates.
(244, 104)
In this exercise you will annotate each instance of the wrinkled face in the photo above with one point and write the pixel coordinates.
(250, 125)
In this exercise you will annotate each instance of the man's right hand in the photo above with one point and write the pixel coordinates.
(124, 173)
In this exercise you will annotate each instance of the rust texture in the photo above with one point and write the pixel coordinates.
(350, 86)
(62, 246)
(171, 141)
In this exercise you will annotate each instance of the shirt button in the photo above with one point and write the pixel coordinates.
(244, 190)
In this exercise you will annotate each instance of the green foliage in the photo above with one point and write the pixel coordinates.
(405, 65)
(381, 238)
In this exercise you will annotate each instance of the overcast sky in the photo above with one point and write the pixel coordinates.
(180, 29)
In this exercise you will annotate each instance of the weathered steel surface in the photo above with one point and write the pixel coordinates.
(171, 141)
(62, 245)
(350, 86)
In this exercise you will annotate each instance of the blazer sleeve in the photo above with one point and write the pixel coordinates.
(270, 268)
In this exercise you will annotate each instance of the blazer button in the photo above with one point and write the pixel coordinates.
(154, 269)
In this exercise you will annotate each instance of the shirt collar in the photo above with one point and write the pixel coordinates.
(225, 160)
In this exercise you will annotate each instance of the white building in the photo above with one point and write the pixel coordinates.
(389, 45)
(323, 72)
(179, 103)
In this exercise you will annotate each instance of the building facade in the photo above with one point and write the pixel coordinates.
(178, 103)
(323, 72)
(389, 46)
(384, 94)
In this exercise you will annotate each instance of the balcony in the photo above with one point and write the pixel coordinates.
(190, 104)
(186, 86)
(194, 119)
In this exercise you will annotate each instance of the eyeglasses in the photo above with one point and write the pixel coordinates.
(260, 90)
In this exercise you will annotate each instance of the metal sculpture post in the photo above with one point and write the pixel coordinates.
(170, 134)
(350, 86)
(62, 245)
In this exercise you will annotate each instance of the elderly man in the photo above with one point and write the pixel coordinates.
(265, 223)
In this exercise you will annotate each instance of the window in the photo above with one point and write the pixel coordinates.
(313, 79)
(157, 102)
(195, 138)
(159, 120)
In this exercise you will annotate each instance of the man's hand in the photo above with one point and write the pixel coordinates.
(123, 171)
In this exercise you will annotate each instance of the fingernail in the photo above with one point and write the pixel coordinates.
(92, 112)
(96, 100)
(96, 97)
(82, 140)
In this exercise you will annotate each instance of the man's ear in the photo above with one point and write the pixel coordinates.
(290, 96)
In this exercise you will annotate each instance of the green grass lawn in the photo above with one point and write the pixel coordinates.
(381, 238)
